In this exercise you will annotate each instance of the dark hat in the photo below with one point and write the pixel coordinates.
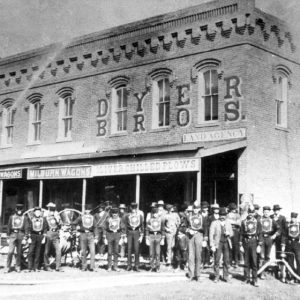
(133, 205)
(256, 206)
(251, 210)
(37, 208)
(232, 206)
(153, 204)
(294, 215)
(266, 208)
(114, 210)
(102, 205)
(276, 207)
(19, 206)
(204, 204)
(154, 210)
(222, 211)
(122, 206)
(88, 206)
(169, 207)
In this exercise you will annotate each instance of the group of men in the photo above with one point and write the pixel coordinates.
(188, 238)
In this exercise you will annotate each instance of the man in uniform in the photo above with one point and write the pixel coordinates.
(291, 242)
(101, 217)
(250, 244)
(235, 220)
(113, 230)
(270, 230)
(88, 236)
(53, 224)
(134, 229)
(257, 215)
(17, 224)
(122, 213)
(171, 222)
(281, 222)
(220, 233)
(155, 236)
(205, 251)
(197, 233)
(37, 237)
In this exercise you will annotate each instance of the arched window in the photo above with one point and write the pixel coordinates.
(65, 117)
(119, 109)
(35, 118)
(8, 122)
(160, 97)
(208, 90)
(281, 101)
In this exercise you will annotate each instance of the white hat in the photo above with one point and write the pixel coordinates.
(51, 204)
(160, 202)
(216, 205)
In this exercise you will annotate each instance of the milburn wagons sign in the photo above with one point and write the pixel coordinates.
(10, 174)
(58, 173)
(216, 135)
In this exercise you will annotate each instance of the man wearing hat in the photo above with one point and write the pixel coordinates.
(17, 225)
(171, 222)
(88, 229)
(257, 215)
(205, 251)
(101, 217)
(250, 244)
(113, 230)
(215, 213)
(270, 230)
(235, 220)
(37, 237)
(152, 207)
(281, 222)
(220, 233)
(155, 235)
(53, 224)
(161, 210)
(122, 213)
(134, 229)
(197, 233)
(291, 242)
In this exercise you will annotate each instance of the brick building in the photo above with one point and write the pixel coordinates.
(197, 104)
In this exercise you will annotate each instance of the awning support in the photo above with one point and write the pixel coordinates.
(198, 190)
(137, 189)
(41, 193)
(1, 197)
(83, 199)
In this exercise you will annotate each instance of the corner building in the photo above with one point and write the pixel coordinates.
(197, 104)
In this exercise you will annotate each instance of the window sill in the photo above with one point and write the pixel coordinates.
(277, 127)
(115, 134)
(6, 146)
(35, 143)
(167, 128)
(208, 124)
(62, 140)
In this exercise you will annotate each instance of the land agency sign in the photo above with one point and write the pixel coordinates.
(215, 135)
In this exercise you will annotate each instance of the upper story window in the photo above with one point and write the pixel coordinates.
(208, 95)
(35, 118)
(119, 109)
(8, 123)
(161, 97)
(9, 117)
(206, 72)
(65, 117)
(281, 81)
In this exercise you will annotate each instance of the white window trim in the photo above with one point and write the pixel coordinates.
(4, 141)
(283, 100)
(115, 110)
(32, 121)
(61, 121)
(155, 104)
(201, 102)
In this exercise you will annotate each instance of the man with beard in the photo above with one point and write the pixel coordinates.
(17, 225)
(281, 222)
(250, 244)
(197, 233)
(134, 229)
(113, 230)
(52, 238)
(37, 233)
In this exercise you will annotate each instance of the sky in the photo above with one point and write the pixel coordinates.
(29, 24)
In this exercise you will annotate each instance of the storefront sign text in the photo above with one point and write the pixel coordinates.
(144, 167)
(217, 135)
(10, 174)
(59, 173)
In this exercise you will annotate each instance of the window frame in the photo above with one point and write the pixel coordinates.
(202, 87)
(281, 99)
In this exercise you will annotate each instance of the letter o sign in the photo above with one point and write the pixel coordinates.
(183, 117)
